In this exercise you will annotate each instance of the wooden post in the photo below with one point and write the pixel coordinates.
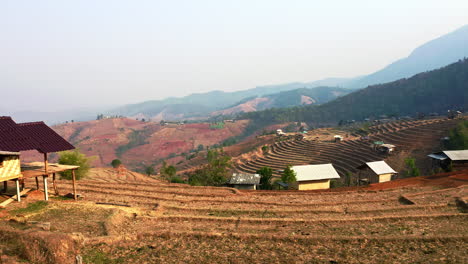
(74, 184)
(55, 184)
(37, 183)
(46, 164)
(46, 194)
(18, 194)
(5, 186)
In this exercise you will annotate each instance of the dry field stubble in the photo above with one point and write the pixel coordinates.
(173, 223)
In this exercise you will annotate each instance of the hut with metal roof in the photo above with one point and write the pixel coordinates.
(314, 177)
(376, 171)
(450, 159)
(16, 137)
(244, 181)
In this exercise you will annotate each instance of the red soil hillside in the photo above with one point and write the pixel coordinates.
(135, 142)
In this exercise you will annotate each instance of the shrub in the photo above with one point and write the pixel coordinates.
(149, 170)
(74, 157)
(116, 163)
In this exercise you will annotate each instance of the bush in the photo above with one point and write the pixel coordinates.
(149, 170)
(74, 157)
(176, 179)
(116, 163)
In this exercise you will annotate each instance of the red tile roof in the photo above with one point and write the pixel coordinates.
(28, 136)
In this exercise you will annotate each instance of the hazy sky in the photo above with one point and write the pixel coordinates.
(57, 54)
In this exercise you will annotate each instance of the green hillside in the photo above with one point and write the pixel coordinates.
(434, 91)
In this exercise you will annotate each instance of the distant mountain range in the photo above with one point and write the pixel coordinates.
(434, 91)
(297, 97)
(431, 55)
(201, 106)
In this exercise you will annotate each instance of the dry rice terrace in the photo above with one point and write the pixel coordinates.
(417, 138)
(416, 220)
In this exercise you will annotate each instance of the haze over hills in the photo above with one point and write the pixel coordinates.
(432, 55)
(197, 106)
(297, 97)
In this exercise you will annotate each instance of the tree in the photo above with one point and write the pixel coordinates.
(167, 171)
(149, 170)
(458, 136)
(213, 173)
(116, 163)
(75, 157)
(289, 175)
(412, 170)
(266, 174)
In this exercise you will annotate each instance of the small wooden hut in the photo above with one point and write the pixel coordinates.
(244, 181)
(16, 137)
(450, 159)
(314, 177)
(376, 171)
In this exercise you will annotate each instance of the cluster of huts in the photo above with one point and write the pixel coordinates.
(17, 137)
(319, 176)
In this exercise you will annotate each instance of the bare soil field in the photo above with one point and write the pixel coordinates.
(135, 219)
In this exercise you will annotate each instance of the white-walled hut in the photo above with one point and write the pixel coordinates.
(16, 137)
(244, 181)
(315, 177)
(455, 159)
(376, 171)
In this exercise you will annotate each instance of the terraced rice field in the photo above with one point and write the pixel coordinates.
(174, 223)
(349, 154)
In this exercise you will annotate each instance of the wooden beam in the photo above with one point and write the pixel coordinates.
(46, 193)
(37, 183)
(9, 200)
(18, 194)
(74, 185)
(5, 186)
(46, 164)
(55, 184)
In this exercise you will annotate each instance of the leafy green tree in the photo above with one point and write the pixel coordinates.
(75, 157)
(149, 170)
(167, 172)
(412, 170)
(116, 163)
(266, 174)
(215, 172)
(459, 136)
(289, 175)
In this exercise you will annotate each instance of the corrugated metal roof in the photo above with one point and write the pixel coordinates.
(380, 167)
(315, 172)
(438, 157)
(29, 136)
(244, 178)
(457, 154)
